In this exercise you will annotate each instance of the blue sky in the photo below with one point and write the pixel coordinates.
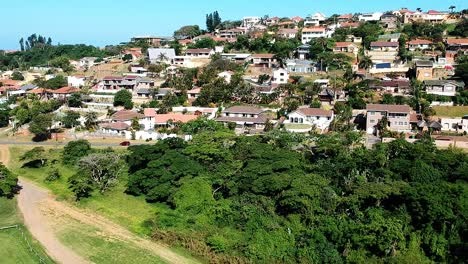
(101, 22)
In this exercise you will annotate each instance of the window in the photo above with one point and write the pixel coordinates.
(296, 120)
(372, 113)
(372, 121)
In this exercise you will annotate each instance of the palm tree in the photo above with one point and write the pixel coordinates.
(365, 62)
(162, 57)
(90, 119)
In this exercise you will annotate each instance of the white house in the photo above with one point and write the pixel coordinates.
(76, 81)
(199, 53)
(314, 32)
(319, 118)
(250, 22)
(458, 125)
(280, 76)
(370, 16)
(87, 62)
(419, 44)
(315, 20)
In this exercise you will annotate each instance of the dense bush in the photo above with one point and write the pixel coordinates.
(257, 199)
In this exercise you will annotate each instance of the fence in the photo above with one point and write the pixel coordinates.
(25, 238)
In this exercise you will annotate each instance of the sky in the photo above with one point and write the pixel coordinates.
(103, 22)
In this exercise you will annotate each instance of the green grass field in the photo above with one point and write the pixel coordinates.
(14, 242)
(94, 245)
(451, 111)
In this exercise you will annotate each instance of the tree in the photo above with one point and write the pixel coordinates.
(102, 169)
(190, 31)
(451, 8)
(17, 76)
(123, 98)
(74, 100)
(70, 119)
(62, 62)
(21, 42)
(127, 57)
(8, 182)
(57, 82)
(90, 120)
(31, 157)
(40, 126)
(365, 62)
(75, 150)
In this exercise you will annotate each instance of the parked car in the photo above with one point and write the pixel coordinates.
(125, 143)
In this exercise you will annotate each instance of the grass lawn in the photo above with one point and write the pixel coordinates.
(451, 111)
(13, 246)
(297, 126)
(96, 246)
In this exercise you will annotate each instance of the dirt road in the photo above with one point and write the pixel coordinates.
(40, 211)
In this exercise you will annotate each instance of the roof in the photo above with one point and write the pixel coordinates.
(112, 78)
(350, 24)
(155, 54)
(8, 82)
(314, 29)
(388, 108)
(194, 91)
(149, 112)
(116, 126)
(384, 44)
(296, 18)
(390, 36)
(346, 16)
(256, 120)
(66, 90)
(126, 115)
(28, 87)
(243, 109)
(443, 82)
(461, 41)
(314, 112)
(265, 55)
(287, 30)
(392, 83)
(419, 42)
(198, 51)
(434, 12)
(175, 117)
(343, 44)
(421, 63)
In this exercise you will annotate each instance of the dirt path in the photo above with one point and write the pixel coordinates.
(40, 211)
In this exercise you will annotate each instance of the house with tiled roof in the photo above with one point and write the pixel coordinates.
(384, 46)
(346, 47)
(455, 44)
(288, 33)
(244, 117)
(400, 87)
(419, 44)
(443, 87)
(267, 60)
(345, 18)
(398, 117)
(311, 33)
(312, 117)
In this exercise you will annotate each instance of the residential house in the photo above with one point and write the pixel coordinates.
(354, 39)
(303, 51)
(389, 21)
(129, 82)
(250, 22)
(296, 19)
(345, 18)
(193, 93)
(398, 117)
(442, 87)
(401, 87)
(280, 76)
(121, 121)
(161, 55)
(199, 53)
(346, 47)
(435, 17)
(64, 92)
(240, 58)
(87, 62)
(366, 17)
(384, 46)
(458, 125)
(151, 40)
(77, 81)
(264, 60)
(419, 44)
(231, 33)
(300, 66)
(289, 33)
(314, 32)
(251, 117)
(424, 70)
(314, 20)
(393, 37)
(153, 120)
(272, 21)
(457, 44)
(314, 117)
